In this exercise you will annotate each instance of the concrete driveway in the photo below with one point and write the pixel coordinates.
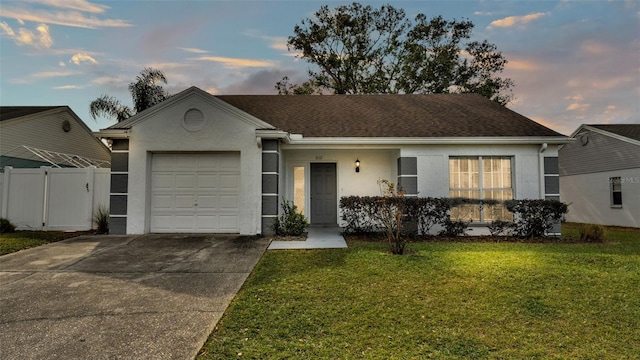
(120, 297)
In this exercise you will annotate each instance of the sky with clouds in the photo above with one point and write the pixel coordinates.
(572, 62)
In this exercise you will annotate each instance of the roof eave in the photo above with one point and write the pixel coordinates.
(604, 132)
(112, 133)
(274, 135)
(505, 140)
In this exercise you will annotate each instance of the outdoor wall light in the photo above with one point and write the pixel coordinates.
(357, 165)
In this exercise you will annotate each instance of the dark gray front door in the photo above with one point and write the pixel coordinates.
(323, 194)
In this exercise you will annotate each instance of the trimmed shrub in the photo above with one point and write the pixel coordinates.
(366, 214)
(592, 233)
(428, 212)
(6, 226)
(533, 218)
(501, 228)
(291, 222)
(354, 210)
(454, 228)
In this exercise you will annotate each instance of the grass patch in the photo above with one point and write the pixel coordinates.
(444, 300)
(16, 241)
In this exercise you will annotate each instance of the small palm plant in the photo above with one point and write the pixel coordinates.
(101, 219)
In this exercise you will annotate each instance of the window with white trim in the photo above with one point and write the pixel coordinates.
(615, 184)
(481, 177)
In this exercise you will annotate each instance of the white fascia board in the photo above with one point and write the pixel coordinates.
(143, 115)
(205, 96)
(273, 134)
(112, 134)
(606, 133)
(429, 141)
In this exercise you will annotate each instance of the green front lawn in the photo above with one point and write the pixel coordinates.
(19, 240)
(443, 300)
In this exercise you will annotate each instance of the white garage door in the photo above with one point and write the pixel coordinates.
(195, 192)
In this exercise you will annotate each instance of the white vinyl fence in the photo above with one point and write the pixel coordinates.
(53, 198)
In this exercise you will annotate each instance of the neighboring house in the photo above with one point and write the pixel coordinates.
(222, 164)
(600, 175)
(34, 136)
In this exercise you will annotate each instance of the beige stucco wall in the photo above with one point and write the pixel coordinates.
(432, 162)
(433, 166)
(374, 165)
(164, 132)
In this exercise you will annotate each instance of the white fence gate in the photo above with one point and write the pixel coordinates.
(53, 198)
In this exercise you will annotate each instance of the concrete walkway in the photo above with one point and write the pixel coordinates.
(120, 297)
(317, 238)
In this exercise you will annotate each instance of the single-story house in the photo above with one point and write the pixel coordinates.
(34, 136)
(600, 175)
(222, 164)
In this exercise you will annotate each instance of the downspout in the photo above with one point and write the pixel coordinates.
(543, 148)
(258, 207)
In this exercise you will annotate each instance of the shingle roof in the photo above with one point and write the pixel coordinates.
(11, 112)
(433, 115)
(632, 131)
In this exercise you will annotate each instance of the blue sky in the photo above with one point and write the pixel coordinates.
(572, 62)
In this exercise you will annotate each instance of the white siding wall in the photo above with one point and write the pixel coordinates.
(598, 153)
(45, 132)
(163, 132)
(588, 196)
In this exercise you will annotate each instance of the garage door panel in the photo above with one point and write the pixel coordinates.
(186, 162)
(198, 192)
(162, 223)
(229, 202)
(162, 202)
(229, 162)
(208, 222)
(208, 181)
(228, 223)
(163, 163)
(184, 202)
(229, 182)
(209, 162)
(185, 182)
(184, 222)
(207, 202)
(161, 181)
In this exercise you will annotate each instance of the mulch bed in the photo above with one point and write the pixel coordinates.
(465, 239)
(302, 237)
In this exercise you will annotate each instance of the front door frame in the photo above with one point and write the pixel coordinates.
(335, 201)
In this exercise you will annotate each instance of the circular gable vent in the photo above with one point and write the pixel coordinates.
(193, 120)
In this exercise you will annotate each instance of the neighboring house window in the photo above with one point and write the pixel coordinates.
(616, 191)
(481, 177)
